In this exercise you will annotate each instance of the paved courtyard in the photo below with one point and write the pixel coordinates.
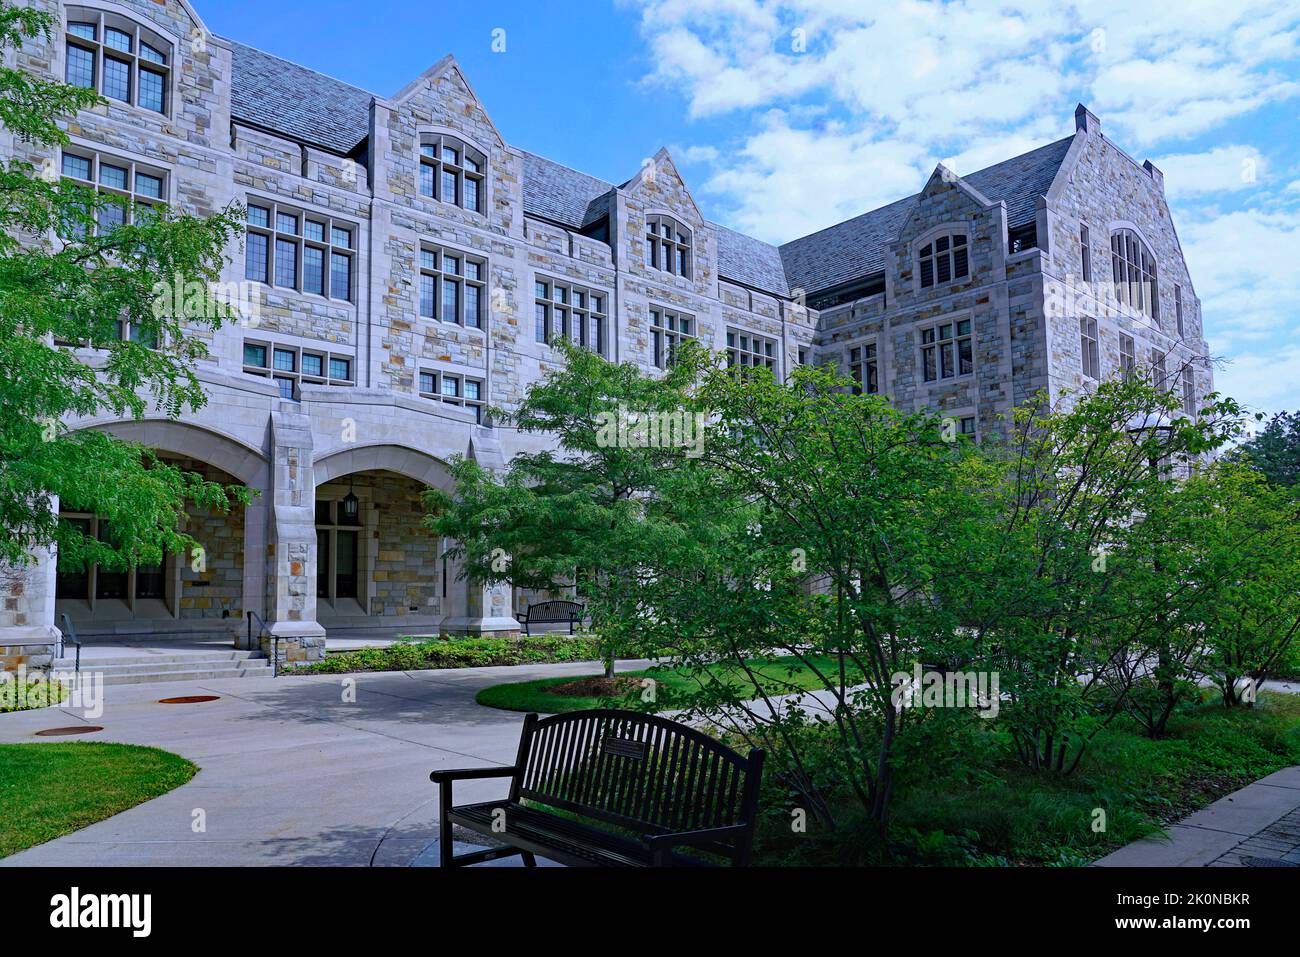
(293, 773)
(290, 772)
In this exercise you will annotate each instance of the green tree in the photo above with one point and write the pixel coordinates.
(1275, 450)
(808, 529)
(68, 285)
(570, 516)
(1071, 582)
(1248, 550)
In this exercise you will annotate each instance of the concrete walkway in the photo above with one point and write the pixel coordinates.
(291, 772)
(1258, 826)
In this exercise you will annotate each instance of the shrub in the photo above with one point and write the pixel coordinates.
(423, 653)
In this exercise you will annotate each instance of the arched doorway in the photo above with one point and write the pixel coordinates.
(184, 596)
(379, 571)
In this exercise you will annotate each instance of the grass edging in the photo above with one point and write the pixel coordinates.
(49, 790)
(780, 675)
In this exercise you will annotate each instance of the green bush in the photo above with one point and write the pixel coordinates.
(971, 803)
(32, 694)
(421, 654)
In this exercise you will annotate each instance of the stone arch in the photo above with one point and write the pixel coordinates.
(248, 466)
(243, 461)
(414, 464)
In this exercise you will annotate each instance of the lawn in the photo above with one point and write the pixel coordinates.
(966, 801)
(777, 676)
(48, 790)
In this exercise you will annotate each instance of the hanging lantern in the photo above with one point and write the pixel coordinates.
(351, 506)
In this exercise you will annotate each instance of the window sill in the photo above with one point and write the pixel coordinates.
(947, 289)
(308, 296)
(965, 377)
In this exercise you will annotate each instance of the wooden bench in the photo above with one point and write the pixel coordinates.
(552, 612)
(670, 789)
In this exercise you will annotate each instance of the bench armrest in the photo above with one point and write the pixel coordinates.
(470, 774)
(661, 845)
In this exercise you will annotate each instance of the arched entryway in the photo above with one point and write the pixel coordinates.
(379, 571)
(184, 596)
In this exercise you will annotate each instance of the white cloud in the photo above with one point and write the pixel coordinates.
(1243, 264)
(1262, 381)
(930, 68)
(788, 182)
(694, 154)
(1223, 169)
(883, 91)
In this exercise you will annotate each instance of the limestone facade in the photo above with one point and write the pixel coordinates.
(368, 406)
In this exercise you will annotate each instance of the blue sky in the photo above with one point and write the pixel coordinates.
(790, 115)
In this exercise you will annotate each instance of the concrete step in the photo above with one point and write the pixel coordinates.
(155, 662)
(209, 674)
(194, 665)
(197, 664)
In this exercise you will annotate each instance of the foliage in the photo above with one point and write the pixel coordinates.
(48, 790)
(65, 288)
(1089, 557)
(571, 516)
(989, 810)
(419, 654)
(801, 483)
(1275, 450)
(37, 692)
(1249, 568)
(1068, 579)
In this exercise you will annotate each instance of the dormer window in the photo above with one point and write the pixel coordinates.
(944, 259)
(121, 59)
(1134, 271)
(452, 172)
(668, 246)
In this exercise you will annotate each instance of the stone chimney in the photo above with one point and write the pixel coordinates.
(1085, 120)
(1153, 171)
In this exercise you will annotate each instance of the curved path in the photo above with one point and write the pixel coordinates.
(291, 772)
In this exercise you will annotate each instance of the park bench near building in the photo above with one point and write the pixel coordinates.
(552, 612)
(671, 792)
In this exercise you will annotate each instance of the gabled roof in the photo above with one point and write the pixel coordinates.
(282, 97)
(750, 261)
(855, 248)
(562, 195)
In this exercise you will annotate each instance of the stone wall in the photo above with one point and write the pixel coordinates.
(1106, 189)
(217, 590)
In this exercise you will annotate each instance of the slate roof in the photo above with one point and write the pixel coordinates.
(563, 195)
(750, 261)
(283, 97)
(856, 248)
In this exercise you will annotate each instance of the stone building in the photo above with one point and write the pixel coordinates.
(408, 268)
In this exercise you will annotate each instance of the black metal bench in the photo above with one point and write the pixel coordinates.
(552, 612)
(669, 788)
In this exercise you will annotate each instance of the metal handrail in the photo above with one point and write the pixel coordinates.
(275, 641)
(69, 630)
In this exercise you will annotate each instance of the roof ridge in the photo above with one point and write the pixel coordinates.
(877, 209)
(564, 166)
(301, 66)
